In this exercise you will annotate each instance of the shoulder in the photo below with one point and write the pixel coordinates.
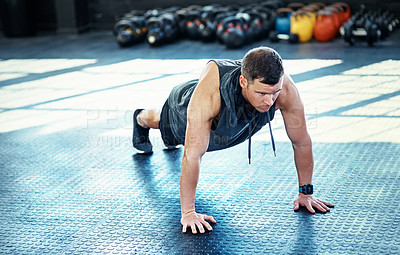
(206, 95)
(211, 65)
(289, 96)
(209, 77)
(226, 62)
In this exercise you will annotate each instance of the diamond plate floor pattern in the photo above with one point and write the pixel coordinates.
(61, 197)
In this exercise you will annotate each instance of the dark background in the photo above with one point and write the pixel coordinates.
(51, 15)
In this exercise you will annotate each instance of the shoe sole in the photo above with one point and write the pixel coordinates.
(170, 148)
(141, 152)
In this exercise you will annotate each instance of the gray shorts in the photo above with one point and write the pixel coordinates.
(165, 127)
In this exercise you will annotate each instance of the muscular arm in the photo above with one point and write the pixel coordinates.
(292, 110)
(203, 106)
(294, 119)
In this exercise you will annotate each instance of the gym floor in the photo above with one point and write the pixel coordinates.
(71, 183)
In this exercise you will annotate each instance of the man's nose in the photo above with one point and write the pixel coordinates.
(269, 100)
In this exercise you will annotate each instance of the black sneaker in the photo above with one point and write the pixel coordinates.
(140, 137)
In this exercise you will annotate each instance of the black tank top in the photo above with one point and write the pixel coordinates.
(235, 122)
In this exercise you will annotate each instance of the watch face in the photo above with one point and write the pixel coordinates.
(306, 189)
(309, 189)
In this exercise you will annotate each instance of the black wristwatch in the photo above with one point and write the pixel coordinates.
(306, 189)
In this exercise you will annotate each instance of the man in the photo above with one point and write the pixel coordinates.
(230, 102)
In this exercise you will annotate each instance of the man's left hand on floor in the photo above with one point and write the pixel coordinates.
(312, 202)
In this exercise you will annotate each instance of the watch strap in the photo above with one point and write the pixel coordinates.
(307, 189)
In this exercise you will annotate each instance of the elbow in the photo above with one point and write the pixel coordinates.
(302, 142)
(190, 156)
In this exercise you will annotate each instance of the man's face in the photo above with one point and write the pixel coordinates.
(260, 95)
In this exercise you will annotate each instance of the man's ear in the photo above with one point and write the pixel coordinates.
(243, 81)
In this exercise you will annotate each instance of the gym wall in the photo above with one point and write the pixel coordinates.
(101, 14)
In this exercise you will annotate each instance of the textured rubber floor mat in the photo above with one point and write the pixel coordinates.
(58, 196)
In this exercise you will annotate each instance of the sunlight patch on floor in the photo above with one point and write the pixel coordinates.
(338, 107)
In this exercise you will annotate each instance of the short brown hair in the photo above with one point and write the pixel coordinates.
(262, 63)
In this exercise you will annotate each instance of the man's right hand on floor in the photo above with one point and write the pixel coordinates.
(192, 219)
